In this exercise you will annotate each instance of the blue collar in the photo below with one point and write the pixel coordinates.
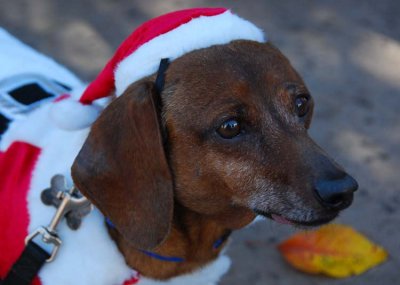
(221, 240)
(216, 245)
(161, 257)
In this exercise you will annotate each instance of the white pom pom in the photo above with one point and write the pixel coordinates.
(70, 114)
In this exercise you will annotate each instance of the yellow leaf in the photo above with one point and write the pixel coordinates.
(334, 250)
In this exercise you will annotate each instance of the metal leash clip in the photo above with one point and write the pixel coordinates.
(69, 204)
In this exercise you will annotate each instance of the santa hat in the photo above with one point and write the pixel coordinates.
(168, 36)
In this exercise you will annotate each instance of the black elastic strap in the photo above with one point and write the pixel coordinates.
(160, 79)
(27, 266)
(158, 88)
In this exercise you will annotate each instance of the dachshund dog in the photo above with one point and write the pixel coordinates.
(173, 167)
(227, 143)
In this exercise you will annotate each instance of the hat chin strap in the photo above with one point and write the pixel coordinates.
(160, 79)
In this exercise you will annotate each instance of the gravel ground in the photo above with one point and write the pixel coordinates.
(348, 53)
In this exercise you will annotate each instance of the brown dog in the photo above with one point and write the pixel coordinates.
(228, 142)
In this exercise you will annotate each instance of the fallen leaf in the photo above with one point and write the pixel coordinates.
(334, 250)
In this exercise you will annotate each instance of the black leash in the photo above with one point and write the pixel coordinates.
(158, 88)
(27, 266)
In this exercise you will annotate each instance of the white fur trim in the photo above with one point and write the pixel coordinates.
(257, 220)
(199, 33)
(70, 114)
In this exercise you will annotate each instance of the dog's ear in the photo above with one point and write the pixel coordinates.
(123, 170)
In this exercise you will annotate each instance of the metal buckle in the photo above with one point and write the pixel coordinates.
(47, 237)
(69, 203)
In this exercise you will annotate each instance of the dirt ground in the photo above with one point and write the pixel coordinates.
(348, 53)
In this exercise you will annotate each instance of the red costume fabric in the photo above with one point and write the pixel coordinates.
(16, 166)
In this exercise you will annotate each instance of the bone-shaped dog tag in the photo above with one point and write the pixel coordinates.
(53, 197)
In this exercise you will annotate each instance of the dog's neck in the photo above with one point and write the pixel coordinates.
(192, 237)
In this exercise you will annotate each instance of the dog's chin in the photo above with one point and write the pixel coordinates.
(297, 223)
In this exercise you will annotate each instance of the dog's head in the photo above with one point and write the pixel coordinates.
(229, 140)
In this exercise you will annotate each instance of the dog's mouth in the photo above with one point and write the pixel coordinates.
(286, 221)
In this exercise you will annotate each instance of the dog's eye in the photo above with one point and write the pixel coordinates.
(229, 129)
(302, 106)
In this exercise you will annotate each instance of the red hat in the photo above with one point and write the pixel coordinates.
(168, 36)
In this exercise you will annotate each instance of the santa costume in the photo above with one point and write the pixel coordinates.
(45, 116)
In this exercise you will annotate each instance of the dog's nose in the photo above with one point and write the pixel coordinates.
(336, 194)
